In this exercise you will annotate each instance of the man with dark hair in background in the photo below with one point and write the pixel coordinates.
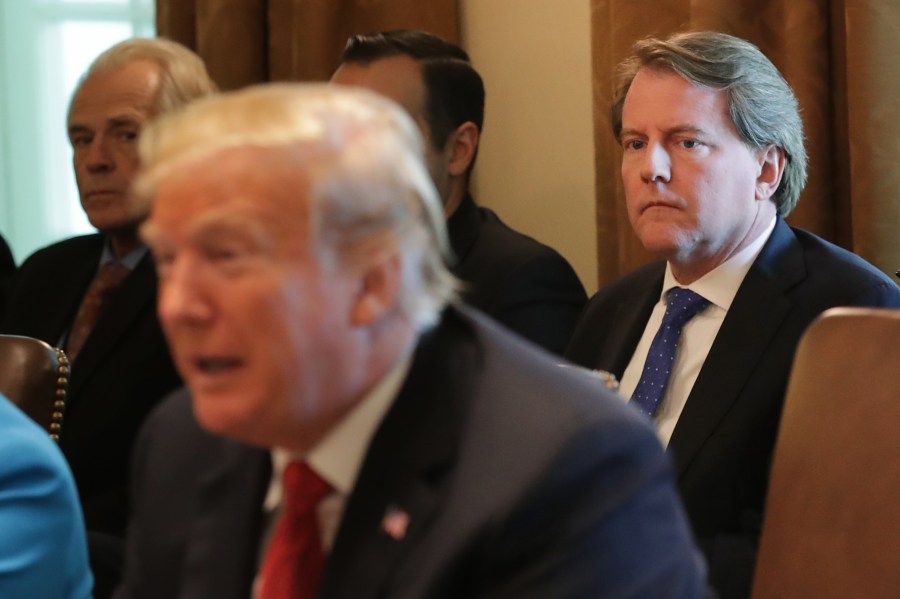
(713, 162)
(521, 283)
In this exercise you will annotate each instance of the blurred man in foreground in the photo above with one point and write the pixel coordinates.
(349, 431)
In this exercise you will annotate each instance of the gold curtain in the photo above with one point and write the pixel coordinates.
(251, 41)
(840, 57)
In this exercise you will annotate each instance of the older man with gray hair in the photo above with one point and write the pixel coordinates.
(93, 295)
(351, 431)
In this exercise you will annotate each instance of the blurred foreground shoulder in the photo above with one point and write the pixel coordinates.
(43, 552)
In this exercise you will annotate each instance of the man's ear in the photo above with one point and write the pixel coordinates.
(771, 168)
(461, 148)
(378, 292)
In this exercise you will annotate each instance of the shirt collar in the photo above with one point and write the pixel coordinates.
(338, 457)
(129, 260)
(721, 284)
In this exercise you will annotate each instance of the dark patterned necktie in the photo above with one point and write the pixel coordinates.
(681, 306)
(98, 296)
(295, 560)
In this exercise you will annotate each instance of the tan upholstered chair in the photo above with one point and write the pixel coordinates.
(35, 377)
(832, 527)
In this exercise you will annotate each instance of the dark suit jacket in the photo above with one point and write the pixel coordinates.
(523, 284)
(7, 269)
(521, 479)
(123, 370)
(722, 443)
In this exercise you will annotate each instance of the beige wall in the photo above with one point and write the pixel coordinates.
(535, 165)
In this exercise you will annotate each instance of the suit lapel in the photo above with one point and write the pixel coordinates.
(630, 320)
(403, 476)
(53, 323)
(136, 294)
(221, 553)
(759, 308)
(463, 228)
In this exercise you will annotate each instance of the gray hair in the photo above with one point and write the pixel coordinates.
(183, 76)
(761, 104)
(369, 193)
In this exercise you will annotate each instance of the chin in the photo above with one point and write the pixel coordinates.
(661, 239)
(216, 416)
(659, 246)
(114, 223)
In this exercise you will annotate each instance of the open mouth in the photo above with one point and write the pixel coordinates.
(208, 365)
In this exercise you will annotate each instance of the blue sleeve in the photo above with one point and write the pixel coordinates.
(43, 552)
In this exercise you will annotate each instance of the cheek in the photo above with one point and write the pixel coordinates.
(628, 172)
(284, 322)
(128, 160)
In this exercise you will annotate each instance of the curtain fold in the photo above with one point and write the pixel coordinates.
(251, 41)
(836, 54)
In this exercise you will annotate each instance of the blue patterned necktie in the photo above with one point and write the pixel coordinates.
(681, 306)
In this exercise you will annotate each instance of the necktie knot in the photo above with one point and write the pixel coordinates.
(303, 488)
(682, 305)
(295, 560)
(109, 277)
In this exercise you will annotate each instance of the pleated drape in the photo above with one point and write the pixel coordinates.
(251, 41)
(840, 57)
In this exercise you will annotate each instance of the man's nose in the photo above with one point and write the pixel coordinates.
(657, 166)
(99, 158)
(181, 296)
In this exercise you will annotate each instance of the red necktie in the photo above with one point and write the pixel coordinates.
(95, 301)
(295, 560)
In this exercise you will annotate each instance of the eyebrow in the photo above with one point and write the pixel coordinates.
(686, 129)
(111, 123)
(211, 224)
(674, 130)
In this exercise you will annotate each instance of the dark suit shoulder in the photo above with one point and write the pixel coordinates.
(626, 301)
(7, 263)
(57, 255)
(572, 471)
(525, 285)
(50, 268)
(171, 432)
(507, 248)
(7, 270)
(645, 279)
(543, 385)
(839, 277)
(192, 491)
(51, 279)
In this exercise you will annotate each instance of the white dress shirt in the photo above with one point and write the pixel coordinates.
(337, 458)
(719, 286)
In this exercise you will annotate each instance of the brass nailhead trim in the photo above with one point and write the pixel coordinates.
(62, 385)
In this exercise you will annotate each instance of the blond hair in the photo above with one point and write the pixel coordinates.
(369, 192)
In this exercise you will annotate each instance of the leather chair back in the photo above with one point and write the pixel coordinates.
(832, 524)
(35, 376)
